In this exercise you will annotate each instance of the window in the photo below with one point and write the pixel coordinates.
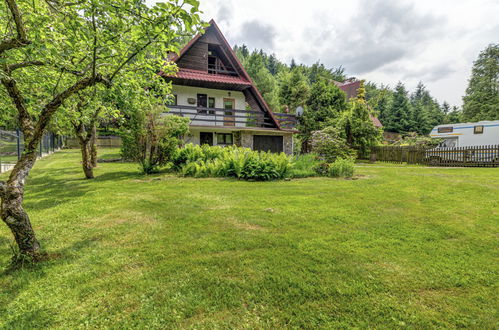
(224, 139)
(211, 104)
(445, 129)
(478, 129)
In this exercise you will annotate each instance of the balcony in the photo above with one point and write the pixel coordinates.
(202, 116)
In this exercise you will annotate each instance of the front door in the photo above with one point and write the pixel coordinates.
(229, 104)
(206, 138)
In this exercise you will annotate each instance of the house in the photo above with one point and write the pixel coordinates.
(215, 92)
(350, 87)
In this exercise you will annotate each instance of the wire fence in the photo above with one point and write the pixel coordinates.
(12, 147)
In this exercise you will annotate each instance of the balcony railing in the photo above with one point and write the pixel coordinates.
(216, 69)
(231, 117)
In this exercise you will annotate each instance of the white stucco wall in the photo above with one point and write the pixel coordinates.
(185, 92)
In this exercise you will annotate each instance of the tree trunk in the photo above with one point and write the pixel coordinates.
(12, 211)
(86, 158)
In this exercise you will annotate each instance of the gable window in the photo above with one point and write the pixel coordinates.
(445, 129)
(224, 139)
(478, 129)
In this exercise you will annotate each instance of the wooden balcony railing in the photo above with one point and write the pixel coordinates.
(231, 117)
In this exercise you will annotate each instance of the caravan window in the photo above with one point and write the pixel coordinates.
(448, 143)
(478, 129)
(445, 129)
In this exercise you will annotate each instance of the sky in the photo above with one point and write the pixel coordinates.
(384, 41)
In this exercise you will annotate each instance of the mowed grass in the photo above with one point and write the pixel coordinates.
(399, 247)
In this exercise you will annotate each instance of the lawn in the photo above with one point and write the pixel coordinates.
(399, 247)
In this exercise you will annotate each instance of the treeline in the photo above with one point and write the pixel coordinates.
(285, 87)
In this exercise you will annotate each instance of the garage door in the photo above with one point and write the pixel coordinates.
(267, 143)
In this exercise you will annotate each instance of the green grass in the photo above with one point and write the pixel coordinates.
(399, 247)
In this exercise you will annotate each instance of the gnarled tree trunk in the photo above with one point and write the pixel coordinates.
(93, 146)
(12, 211)
(86, 158)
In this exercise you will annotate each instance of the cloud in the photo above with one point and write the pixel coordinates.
(224, 13)
(256, 34)
(382, 32)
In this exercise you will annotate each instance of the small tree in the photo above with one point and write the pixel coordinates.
(150, 137)
(329, 145)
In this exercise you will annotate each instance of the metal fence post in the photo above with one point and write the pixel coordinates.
(18, 136)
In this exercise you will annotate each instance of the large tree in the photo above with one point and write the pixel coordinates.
(399, 117)
(293, 89)
(481, 101)
(52, 50)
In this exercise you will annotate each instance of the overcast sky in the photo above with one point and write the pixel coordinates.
(434, 41)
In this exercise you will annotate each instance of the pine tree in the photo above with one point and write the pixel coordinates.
(293, 89)
(264, 81)
(398, 117)
(481, 101)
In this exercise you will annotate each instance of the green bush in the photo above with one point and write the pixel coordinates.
(342, 167)
(235, 162)
(328, 145)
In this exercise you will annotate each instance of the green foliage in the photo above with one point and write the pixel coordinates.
(413, 139)
(151, 138)
(341, 168)
(481, 101)
(293, 90)
(356, 125)
(329, 145)
(399, 117)
(324, 106)
(426, 113)
(264, 80)
(232, 162)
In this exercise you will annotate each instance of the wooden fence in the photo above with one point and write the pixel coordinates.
(477, 156)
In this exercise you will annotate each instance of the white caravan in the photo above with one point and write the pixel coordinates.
(482, 133)
(464, 135)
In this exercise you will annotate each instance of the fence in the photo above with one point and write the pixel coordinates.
(477, 156)
(12, 147)
(102, 141)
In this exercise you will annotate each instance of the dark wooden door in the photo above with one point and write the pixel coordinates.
(229, 104)
(268, 143)
(206, 138)
(202, 102)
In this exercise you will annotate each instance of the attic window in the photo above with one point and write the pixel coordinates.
(217, 61)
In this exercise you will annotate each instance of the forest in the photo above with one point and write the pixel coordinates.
(399, 110)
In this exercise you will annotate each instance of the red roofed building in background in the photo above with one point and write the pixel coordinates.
(351, 87)
(215, 92)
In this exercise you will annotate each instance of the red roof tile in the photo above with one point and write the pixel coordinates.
(190, 74)
(375, 121)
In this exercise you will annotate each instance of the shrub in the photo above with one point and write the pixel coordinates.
(328, 145)
(152, 139)
(235, 162)
(342, 167)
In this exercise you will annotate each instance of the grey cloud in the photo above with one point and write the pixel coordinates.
(431, 74)
(224, 12)
(256, 34)
(382, 32)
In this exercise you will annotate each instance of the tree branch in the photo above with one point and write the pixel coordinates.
(24, 64)
(25, 120)
(21, 39)
(52, 106)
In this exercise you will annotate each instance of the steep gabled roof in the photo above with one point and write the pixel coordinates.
(203, 76)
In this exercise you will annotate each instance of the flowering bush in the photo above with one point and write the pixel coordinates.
(328, 145)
